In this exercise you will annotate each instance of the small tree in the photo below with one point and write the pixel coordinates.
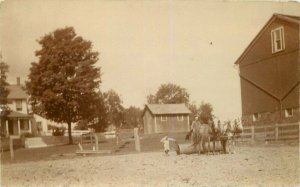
(132, 116)
(63, 84)
(195, 111)
(114, 108)
(151, 99)
(169, 94)
(99, 122)
(206, 112)
(4, 109)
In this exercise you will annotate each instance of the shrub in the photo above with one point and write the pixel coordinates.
(58, 132)
(27, 135)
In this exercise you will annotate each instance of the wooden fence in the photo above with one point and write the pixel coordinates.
(271, 133)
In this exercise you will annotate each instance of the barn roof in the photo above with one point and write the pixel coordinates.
(156, 109)
(288, 18)
(16, 92)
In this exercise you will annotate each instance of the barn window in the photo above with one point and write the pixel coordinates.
(288, 112)
(277, 40)
(255, 117)
(180, 118)
(163, 118)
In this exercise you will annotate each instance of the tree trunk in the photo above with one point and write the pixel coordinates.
(70, 133)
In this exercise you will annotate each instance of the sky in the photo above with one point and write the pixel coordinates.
(143, 44)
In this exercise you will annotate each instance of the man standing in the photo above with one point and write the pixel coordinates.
(195, 124)
(194, 127)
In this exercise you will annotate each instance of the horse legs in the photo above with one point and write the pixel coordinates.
(200, 147)
(231, 146)
(214, 146)
(208, 141)
(232, 151)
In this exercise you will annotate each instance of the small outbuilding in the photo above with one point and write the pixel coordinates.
(165, 118)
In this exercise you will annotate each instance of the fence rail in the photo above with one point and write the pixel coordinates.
(276, 132)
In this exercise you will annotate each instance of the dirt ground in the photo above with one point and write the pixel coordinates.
(268, 165)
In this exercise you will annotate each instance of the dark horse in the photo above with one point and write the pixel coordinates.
(216, 136)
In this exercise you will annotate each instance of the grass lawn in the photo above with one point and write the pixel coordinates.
(126, 145)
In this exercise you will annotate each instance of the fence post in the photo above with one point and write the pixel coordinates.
(96, 141)
(252, 134)
(137, 140)
(11, 147)
(276, 132)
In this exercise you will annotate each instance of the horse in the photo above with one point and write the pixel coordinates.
(217, 133)
(200, 135)
(231, 133)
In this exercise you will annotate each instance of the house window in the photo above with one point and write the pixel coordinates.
(255, 117)
(24, 124)
(288, 112)
(163, 118)
(19, 105)
(277, 40)
(180, 118)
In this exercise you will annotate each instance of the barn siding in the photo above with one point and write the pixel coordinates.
(263, 47)
(255, 100)
(267, 118)
(275, 73)
(172, 124)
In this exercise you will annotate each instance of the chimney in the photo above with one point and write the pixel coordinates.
(18, 81)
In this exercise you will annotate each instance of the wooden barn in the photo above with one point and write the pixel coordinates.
(165, 118)
(269, 73)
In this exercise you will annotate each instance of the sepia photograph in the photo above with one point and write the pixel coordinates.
(149, 93)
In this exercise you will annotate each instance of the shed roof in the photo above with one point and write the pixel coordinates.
(16, 92)
(156, 109)
(288, 18)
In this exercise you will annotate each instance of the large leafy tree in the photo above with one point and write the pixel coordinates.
(169, 94)
(64, 82)
(114, 108)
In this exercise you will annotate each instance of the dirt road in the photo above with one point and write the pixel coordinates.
(272, 165)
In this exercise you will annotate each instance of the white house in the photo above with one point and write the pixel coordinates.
(21, 119)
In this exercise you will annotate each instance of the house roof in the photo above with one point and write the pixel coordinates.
(156, 109)
(14, 114)
(288, 18)
(16, 92)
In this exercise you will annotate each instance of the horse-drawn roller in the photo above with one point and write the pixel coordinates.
(189, 148)
(206, 138)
